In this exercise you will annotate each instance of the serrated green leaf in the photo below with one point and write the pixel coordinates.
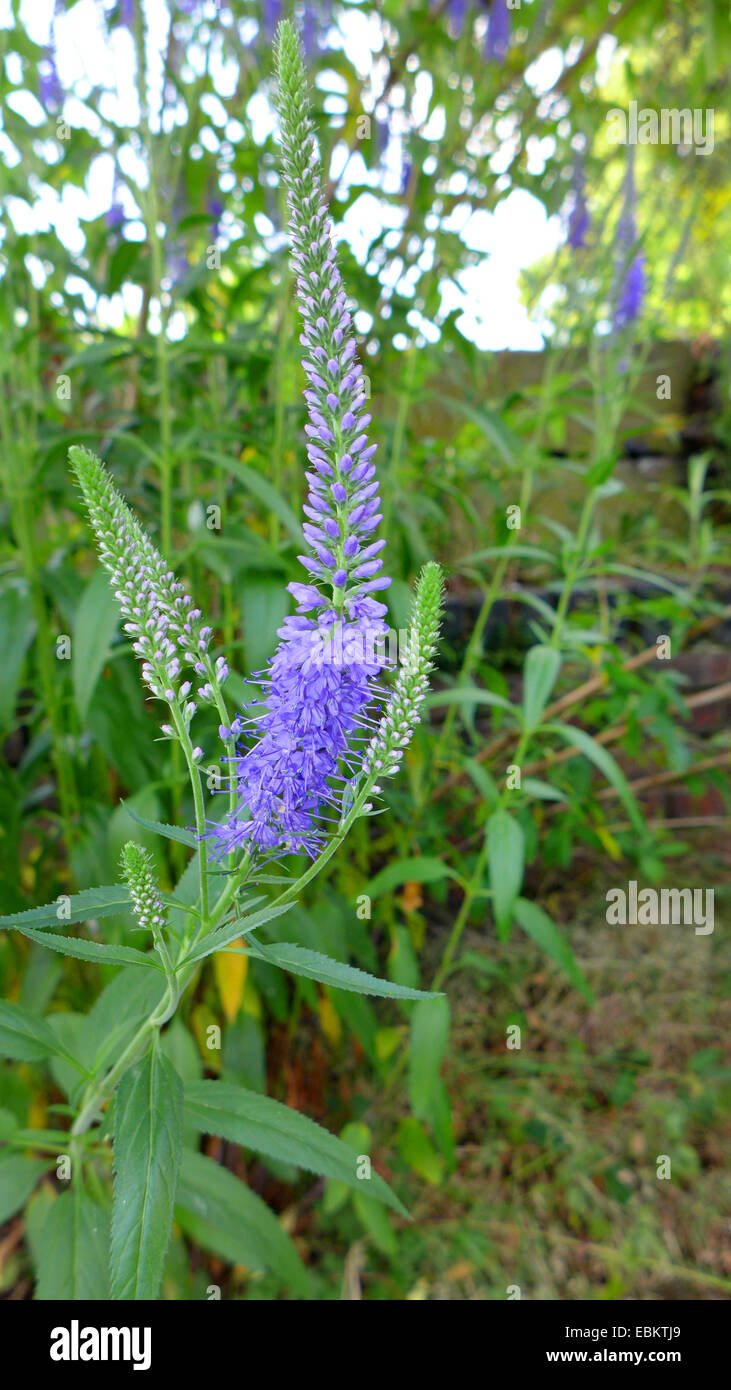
(97, 951)
(80, 907)
(72, 1250)
(117, 1013)
(225, 935)
(28, 1038)
(257, 1122)
(148, 1138)
(18, 1177)
(314, 966)
(222, 1214)
(168, 832)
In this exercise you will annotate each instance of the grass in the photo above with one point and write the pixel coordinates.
(555, 1187)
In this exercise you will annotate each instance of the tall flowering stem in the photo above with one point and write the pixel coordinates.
(629, 282)
(313, 724)
(321, 677)
(166, 629)
(579, 220)
(497, 42)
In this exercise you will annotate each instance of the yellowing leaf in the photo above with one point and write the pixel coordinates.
(417, 1150)
(329, 1021)
(37, 1115)
(419, 1293)
(230, 972)
(387, 1040)
(207, 1033)
(608, 841)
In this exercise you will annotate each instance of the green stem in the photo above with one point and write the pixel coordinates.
(17, 493)
(399, 434)
(474, 646)
(200, 815)
(101, 1089)
(460, 921)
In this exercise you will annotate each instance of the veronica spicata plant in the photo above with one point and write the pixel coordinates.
(331, 725)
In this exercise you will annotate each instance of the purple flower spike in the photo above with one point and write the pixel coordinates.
(498, 32)
(271, 11)
(579, 219)
(50, 91)
(629, 282)
(321, 676)
(457, 11)
(214, 207)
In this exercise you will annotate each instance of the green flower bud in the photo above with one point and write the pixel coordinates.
(386, 749)
(146, 901)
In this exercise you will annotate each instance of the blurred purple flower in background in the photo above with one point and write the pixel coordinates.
(457, 11)
(579, 220)
(126, 15)
(310, 27)
(497, 42)
(629, 280)
(115, 216)
(271, 13)
(406, 168)
(50, 91)
(215, 207)
(382, 137)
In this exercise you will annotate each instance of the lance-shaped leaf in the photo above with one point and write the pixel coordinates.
(542, 665)
(91, 902)
(598, 755)
(314, 966)
(97, 951)
(506, 860)
(148, 1138)
(427, 1046)
(418, 869)
(225, 935)
(546, 934)
(168, 832)
(223, 1215)
(18, 1177)
(257, 1122)
(28, 1038)
(72, 1250)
